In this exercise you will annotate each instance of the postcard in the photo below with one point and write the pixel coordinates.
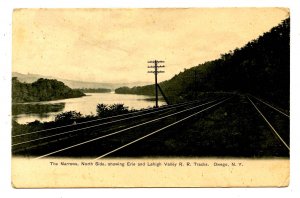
(151, 97)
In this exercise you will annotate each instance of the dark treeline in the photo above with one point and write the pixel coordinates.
(36, 108)
(41, 90)
(261, 67)
(96, 90)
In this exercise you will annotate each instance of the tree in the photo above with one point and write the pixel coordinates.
(68, 116)
(42, 90)
(104, 110)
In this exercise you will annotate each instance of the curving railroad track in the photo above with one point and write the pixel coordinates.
(238, 126)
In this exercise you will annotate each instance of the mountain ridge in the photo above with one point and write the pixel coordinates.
(73, 84)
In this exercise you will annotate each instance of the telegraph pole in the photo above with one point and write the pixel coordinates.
(156, 71)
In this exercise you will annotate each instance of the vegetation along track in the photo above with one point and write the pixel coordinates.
(212, 127)
(34, 143)
(233, 129)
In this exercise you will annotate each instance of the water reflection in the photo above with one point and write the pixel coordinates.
(47, 110)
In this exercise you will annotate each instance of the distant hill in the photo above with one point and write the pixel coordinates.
(139, 90)
(261, 67)
(41, 90)
(30, 78)
(98, 90)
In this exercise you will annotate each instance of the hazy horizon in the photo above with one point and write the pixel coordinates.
(54, 77)
(114, 45)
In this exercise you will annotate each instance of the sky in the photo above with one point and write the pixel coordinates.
(114, 45)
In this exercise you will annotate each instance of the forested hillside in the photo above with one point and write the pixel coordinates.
(41, 90)
(261, 67)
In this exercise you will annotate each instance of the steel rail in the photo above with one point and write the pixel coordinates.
(285, 144)
(101, 119)
(271, 106)
(120, 131)
(101, 124)
(152, 133)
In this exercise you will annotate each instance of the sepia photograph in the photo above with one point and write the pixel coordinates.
(151, 89)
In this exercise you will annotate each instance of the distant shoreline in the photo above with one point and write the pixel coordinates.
(41, 101)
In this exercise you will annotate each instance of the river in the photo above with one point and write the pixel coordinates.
(85, 105)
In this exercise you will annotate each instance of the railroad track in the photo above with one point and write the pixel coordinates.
(121, 131)
(234, 129)
(263, 131)
(39, 138)
(275, 118)
(28, 137)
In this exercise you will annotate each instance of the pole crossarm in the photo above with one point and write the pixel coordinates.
(155, 61)
(156, 72)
